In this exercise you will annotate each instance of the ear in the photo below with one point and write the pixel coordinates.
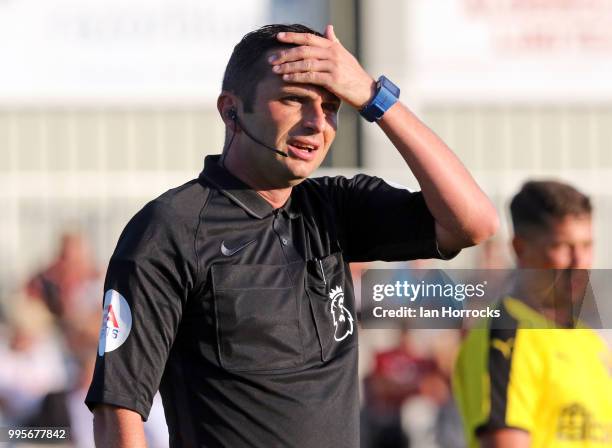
(519, 246)
(226, 103)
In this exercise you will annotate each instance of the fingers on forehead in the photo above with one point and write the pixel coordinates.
(303, 39)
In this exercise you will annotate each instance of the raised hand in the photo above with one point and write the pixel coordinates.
(325, 62)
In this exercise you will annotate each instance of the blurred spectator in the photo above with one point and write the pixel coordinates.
(47, 356)
(71, 284)
(448, 425)
(430, 418)
(398, 374)
(66, 408)
(32, 360)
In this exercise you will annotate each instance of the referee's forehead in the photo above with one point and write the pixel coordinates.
(273, 80)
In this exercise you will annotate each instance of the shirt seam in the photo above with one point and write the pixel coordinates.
(196, 233)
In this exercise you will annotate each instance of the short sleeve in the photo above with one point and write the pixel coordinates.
(383, 222)
(147, 284)
(497, 382)
(514, 384)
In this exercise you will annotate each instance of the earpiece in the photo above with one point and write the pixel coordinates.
(232, 115)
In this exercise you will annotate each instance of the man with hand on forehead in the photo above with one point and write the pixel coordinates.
(232, 293)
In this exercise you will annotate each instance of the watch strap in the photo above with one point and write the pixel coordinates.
(386, 96)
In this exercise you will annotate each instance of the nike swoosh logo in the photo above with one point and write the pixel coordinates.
(229, 252)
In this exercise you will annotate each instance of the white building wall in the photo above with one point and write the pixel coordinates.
(543, 109)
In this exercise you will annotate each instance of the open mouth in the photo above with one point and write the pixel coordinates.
(303, 147)
(302, 150)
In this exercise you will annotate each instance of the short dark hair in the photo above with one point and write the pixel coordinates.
(246, 68)
(539, 203)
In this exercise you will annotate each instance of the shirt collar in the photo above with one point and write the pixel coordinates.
(240, 193)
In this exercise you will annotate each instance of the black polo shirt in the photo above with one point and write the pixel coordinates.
(243, 316)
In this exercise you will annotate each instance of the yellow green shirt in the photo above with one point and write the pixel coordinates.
(555, 384)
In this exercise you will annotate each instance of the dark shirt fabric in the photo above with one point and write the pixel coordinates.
(243, 316)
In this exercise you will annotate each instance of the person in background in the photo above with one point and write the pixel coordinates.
(31, 359)
(64, 408)
(69, 285)
(398, 374)
(534, 377)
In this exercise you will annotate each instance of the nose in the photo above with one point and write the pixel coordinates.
(314, 118)
(581, 257)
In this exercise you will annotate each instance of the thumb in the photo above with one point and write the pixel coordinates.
(329, 33)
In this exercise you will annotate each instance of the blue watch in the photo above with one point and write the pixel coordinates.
(386, 96)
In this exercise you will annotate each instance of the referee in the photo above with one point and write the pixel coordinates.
(232, 295)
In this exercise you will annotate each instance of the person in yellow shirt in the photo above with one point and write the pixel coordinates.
(536, 377)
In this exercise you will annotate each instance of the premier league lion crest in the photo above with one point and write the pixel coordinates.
(343, 321)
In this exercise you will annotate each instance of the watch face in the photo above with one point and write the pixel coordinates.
(386, 96)
(390, 86)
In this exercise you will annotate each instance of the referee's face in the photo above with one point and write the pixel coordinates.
(299, 119)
